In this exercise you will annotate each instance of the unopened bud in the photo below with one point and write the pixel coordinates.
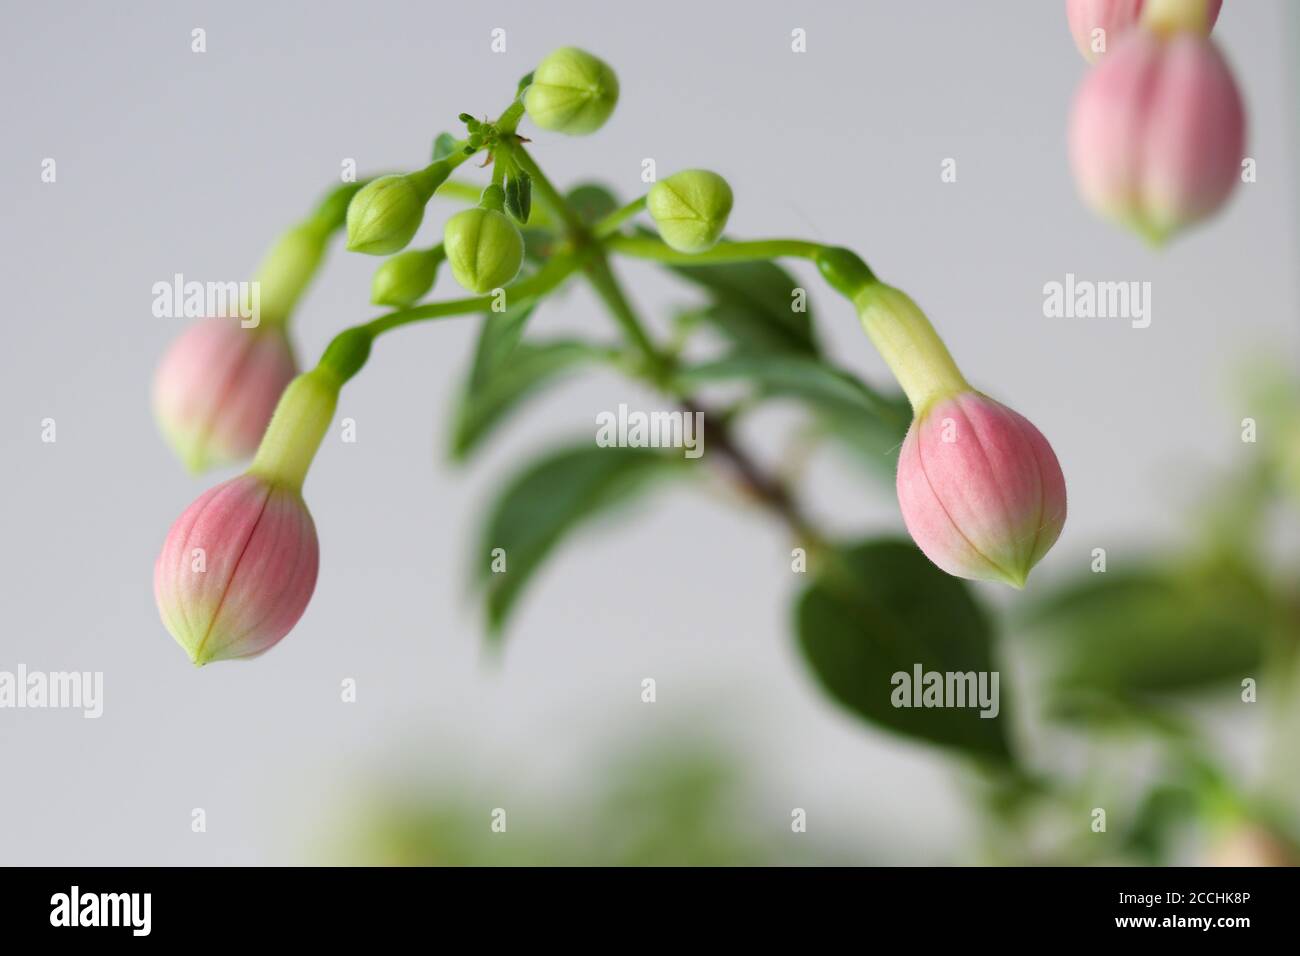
(1157, 132)
(572, 92)
(384, 216)
(406, 278)
(690, 209)
(484, 249)
(981, 491)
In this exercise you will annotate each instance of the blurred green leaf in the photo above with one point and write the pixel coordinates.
(443, 146)
(592, 202)
(1153, 629)
(531, 366)
(752, 306)
(881, 608)
(868, 423)
(824, 387)
(546, 501)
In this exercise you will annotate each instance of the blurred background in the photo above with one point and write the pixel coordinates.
(1127, 695)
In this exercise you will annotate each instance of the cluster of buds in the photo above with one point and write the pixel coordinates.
(979, 487)
(1158, 127)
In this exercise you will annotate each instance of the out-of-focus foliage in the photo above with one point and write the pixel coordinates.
(684, 804)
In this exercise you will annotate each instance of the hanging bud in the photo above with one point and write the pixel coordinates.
(690, 209)
(216, 387)
(384, 216)
(239, 565)
(237, 569)
(572, 92)
(406, 278)
(484, 249)
(1157, 132)
(980, 489)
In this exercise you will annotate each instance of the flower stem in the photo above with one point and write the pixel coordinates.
(646, 247)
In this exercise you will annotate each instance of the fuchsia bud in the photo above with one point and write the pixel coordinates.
(1097, 24)
(239, 565)
(216, 388)
(980, 489)
(237, 569)
(1157, 132)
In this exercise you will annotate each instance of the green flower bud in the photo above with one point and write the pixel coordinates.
(572, 92)
(384, 216)
(406, 278)
(690, 208)
(484, 249)
(287, 268)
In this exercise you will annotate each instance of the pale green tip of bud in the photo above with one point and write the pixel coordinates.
(690, 208)
(384, 216)
(406, 278)
(484, 249)
(572, 92)
(288, 268)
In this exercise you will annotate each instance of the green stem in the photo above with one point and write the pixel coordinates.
(646, 247)
(611, 223)
(658, 365)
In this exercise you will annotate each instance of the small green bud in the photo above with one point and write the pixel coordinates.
(690, 208)
(384, 216)
(288, 267)
(484, 249)
(572, 92)
(406, 278)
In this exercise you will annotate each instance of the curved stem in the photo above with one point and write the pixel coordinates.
(646, 247)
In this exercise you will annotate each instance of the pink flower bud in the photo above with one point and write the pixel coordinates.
(981, 491)
(216, 387)
(1157, 133)
(1097, 24)
(237, 569)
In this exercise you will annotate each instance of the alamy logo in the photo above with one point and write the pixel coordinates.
(58, 690)
(923, 688)
(179, 299)
(103, 909)
(1085, 299)
(634, 429)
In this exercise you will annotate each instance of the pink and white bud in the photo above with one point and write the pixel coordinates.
(980, 489)
(237, 569)
(216, 387)
(1157, 132)
(1096, 24)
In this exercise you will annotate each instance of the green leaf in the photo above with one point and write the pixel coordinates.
(870, 424)
(880, 609)
(531, 367)
(753, 306)
(547, 501)
(443, 146)
(519, 195)
(592, 202)
(1153, 629)
(812, 380)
